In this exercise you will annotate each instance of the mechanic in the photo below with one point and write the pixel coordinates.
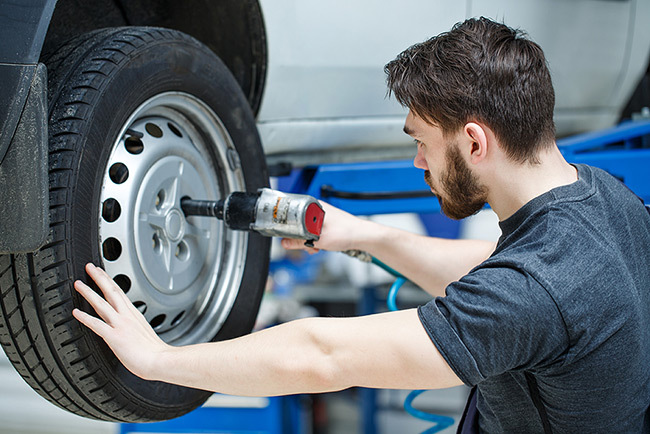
(551, 324)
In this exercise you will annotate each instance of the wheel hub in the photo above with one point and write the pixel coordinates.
(174, 225)
(165, 242)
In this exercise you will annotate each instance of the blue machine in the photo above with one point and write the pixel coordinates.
(398, 187)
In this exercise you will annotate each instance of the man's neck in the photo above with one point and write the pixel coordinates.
(513, 185)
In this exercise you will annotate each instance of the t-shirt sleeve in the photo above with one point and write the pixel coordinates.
(495, 319)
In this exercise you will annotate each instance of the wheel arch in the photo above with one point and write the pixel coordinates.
(233, 29)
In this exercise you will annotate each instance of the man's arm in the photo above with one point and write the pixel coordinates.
(390, 350)
(431, 263)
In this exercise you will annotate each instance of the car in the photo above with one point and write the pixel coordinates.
(114, 111)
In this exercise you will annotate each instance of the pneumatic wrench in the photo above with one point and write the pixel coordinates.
(268, 212)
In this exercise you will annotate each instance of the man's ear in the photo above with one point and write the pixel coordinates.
(478, 141)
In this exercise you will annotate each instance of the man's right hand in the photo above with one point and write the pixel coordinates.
(341, 231)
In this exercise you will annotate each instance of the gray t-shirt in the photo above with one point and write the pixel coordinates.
(565, 297)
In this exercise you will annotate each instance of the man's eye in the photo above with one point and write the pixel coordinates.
(418, 143)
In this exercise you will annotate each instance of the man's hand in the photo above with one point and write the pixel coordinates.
(122, 326)
(340, 232)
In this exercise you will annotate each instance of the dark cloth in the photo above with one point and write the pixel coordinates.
(468, 423)
(566, 298)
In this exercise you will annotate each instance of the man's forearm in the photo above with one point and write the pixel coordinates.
(282, 360)
(431, 263)
(388, 350)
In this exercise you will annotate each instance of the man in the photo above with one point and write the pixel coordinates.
(552, 324)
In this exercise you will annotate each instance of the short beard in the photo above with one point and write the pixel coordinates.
(462, 194)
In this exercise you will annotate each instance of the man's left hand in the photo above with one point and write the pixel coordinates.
(121, 324)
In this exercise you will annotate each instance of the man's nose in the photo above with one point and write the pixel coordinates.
(419, 160)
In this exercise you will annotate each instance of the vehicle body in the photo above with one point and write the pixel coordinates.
(96, 149)
(313, 71)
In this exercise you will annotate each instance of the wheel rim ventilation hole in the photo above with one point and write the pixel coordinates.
(112, 210)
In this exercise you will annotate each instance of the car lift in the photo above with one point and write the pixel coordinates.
(398, 187)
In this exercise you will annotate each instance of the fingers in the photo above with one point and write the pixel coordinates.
(292, 244)
(101, 306)
(113, 293)
(124, 329)
(96, 325)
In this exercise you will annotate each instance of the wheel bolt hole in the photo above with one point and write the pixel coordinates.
(111, 210)
(141, 306)
(174, 130)
(156, 244)
(154, 130)
(118, 173)
(177, 320)
(133, 145)
(157, 321)
(123, 282)
(182, 251)
(160, 199)
(112, 249)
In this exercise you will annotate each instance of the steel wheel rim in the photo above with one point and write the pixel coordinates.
(183, 274)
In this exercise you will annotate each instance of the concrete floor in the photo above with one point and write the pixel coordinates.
(23, 411)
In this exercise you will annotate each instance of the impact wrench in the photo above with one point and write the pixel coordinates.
(268, 212)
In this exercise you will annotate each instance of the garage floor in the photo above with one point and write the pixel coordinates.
(23, 411)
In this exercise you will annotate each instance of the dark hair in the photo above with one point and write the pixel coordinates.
(480, 71)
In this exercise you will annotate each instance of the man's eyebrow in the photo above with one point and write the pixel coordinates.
(409, 131)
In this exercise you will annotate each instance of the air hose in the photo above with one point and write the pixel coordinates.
(441, 422)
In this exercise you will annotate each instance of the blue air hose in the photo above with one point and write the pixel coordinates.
(391, 300)
(441, 422)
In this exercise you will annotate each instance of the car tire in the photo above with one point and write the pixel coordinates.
(138, 118)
